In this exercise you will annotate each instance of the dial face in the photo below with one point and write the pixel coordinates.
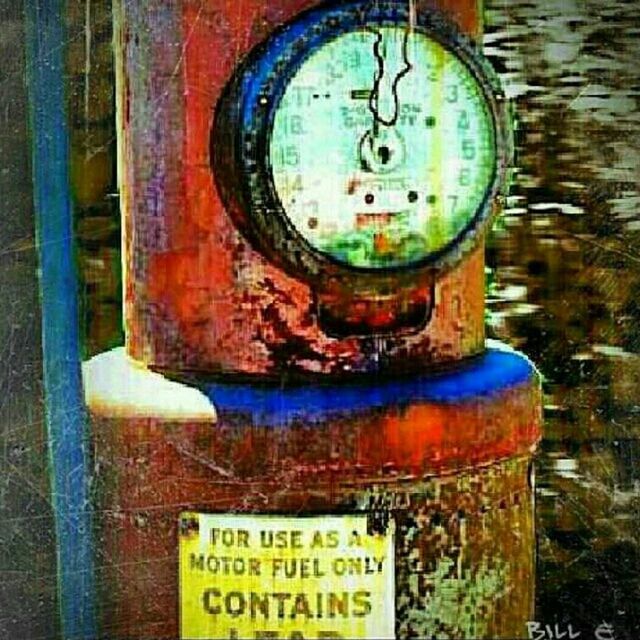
(383, 148)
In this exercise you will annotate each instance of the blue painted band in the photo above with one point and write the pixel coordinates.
(494, 372)
(64, 405)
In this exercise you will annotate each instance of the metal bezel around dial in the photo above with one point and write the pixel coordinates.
(244, 121)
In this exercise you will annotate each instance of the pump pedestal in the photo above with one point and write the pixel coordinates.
(446, 458)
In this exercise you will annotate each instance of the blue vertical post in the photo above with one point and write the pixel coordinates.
(65, 411)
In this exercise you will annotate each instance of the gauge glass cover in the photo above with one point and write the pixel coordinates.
(382, 148)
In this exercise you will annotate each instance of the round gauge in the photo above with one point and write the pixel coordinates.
(362, 140)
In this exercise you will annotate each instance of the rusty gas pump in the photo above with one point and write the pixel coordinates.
(307, 435)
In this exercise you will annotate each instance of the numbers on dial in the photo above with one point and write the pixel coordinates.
(377, 196)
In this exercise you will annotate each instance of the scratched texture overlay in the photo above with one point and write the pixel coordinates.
(563, 287)
(27, 542)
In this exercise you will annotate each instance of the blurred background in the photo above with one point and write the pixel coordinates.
(565, 289)
(563, 286)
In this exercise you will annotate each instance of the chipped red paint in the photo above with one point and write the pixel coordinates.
(151, 470)
(197, 296)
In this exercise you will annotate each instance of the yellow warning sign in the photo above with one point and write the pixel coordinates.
(260, 576)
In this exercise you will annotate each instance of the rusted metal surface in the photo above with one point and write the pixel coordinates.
(197, 296)
(453, 476)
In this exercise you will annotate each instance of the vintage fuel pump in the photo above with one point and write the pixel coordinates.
(357, 151)
(325, 446)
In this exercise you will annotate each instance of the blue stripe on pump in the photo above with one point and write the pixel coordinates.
(65, 412)
(496, 371)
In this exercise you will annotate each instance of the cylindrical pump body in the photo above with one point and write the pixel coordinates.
(198, 297)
